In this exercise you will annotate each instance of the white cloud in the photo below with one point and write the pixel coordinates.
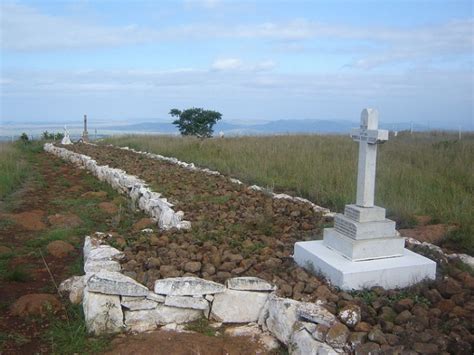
(236, 64)
(227, 64)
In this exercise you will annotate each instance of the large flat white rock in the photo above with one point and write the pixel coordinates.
(114, 283)
(389, 273)
(249, 283)
(233, 306)
(102, 313)
(187, 286)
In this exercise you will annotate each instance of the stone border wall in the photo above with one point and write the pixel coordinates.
(150, 202)
(113, 303)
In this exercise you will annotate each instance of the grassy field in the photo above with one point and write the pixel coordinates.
(420, 174)
(13, 167)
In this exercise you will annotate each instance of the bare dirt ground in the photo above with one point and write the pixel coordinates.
(61, 202)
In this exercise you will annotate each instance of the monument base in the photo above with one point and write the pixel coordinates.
(396, 272)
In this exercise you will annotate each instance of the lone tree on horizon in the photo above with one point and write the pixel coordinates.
(195, 121)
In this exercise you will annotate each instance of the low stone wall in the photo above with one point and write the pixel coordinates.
(150, 202)
(113, 302)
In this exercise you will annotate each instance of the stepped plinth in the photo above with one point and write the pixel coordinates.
(364, 248)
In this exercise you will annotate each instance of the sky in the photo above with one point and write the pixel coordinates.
(250, 60)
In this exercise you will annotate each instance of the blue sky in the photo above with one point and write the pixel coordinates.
(250, 60)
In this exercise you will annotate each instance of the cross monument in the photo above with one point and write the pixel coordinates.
(85, 134)
(368, 136)
(364, 249)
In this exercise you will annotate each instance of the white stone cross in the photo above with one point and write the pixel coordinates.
(368, 136)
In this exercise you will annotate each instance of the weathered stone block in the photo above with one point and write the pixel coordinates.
(233, 306)
(102, 313)
(248, 283)
(187, 286)
(114, 283)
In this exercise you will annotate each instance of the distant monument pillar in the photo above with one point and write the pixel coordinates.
(85, 134)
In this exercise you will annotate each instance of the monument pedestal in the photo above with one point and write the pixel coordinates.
(396, 272)
(364, 249)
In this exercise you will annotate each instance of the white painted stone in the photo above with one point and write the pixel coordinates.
(104, 252)
(364, 230)
(364, 214)
(302, 343)
(114, 283)
(74, 287)
(140, 321)
(187, 286)
(368, 136)
(249, 283)
(89, 244)
(186, 302)
(164, 315)
(102, 313)
(364, 249)
(233, 306)
(281, 317)
(154, 297)
(389, 273)
(316, 313)
(94, 266)
(350, 315)
(137, 303)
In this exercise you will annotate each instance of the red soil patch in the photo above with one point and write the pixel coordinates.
(433, 233)
(31, 220)
(68, 220)
(35, 304)
(168, 342)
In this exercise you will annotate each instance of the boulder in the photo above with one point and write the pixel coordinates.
(140, 321)
(102, 313)
(104, 252)
(114, 283)
(94, 266)
(74, 286)
(302, 343)
(316, 313)
(337, 335)
(249, 284)
(59, 248)
(137, 303)
(350, 315)
(164, 315)
(89, 244)
(282, 315)
(186, 302)
(187, 286)
(35, 304)
(233, 306)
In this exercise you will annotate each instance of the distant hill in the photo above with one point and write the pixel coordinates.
(273, 127)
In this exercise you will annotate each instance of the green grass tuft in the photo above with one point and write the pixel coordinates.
(71, 337)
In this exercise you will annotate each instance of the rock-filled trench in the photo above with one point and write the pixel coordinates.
(235, 230)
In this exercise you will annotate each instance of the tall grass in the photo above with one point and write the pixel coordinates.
(420, 174)
(12, 168)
